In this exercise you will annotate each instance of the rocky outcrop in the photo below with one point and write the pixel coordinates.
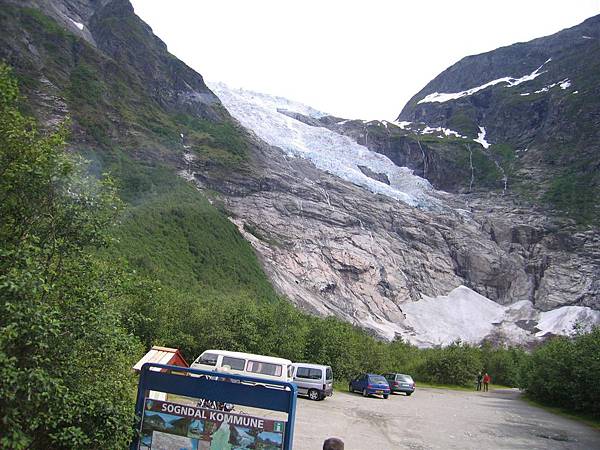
(335, 248)
(101, 56)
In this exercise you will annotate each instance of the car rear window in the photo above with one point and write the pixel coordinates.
(264, 368)
(234, 363)
(310, 374)
(377, 379)
(406, 378)
(208, 359)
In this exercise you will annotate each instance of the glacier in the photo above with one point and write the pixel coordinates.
(327, 150)
(460, 314)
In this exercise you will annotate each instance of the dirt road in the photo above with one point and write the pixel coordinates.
(437, 419)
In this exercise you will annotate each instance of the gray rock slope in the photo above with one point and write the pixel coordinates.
(333, 247)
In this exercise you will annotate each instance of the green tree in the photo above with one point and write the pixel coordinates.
(65, 361)
(564, 372)
(456, 364)
(502, 363)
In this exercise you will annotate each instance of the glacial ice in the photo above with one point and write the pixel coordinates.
(466, 315)
(510, 81)
(564, 320)
(329, 151)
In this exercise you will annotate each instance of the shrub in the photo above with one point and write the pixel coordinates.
(65, 378)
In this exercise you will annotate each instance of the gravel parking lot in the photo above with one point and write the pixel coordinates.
(437, 419)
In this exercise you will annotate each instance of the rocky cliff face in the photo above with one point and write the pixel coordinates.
(333, 247)
(99, 63)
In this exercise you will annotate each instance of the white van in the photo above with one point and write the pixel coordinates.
(313, 380)
(257, 366)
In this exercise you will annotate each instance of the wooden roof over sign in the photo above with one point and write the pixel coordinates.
(162, 355)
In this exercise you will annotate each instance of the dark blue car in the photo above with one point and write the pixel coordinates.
(370, 384)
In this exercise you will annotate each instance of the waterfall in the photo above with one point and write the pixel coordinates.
(471, 164)
(424, 159)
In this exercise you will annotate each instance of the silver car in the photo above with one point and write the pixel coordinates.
(313, 380)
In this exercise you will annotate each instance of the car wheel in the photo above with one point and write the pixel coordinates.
(313, 394)
(365, 394)
(408, 394)
(385, 396)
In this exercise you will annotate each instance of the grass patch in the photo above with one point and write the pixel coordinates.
(576, 194)
(179, 238)
(463, 123)
(340, 386)
(454, 387)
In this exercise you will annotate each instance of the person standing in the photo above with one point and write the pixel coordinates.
(479, 380)
(486, 381)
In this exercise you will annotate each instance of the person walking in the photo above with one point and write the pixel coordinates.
(479, 380)
(486, 381)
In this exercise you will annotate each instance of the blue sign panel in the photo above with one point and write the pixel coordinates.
(165, 425)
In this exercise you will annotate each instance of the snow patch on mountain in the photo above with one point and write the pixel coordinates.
(77, 24)
(565, 84)
(444, 131)
(481, 138)
(402, 124)
(510, 82)
(329, 151)
(423, 128)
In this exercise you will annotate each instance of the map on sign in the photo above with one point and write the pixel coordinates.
(172, 426)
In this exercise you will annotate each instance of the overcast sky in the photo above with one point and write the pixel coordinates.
(353, 59)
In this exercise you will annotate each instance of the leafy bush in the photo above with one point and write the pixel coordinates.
(455, 364)
(65, 379)
(564, 372)
(503, 364)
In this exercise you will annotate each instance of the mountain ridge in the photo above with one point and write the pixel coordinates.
(547, 123)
